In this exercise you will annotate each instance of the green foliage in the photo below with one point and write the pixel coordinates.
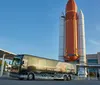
(1, 63)
(92, 74)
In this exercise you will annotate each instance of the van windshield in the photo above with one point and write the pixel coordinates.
(16, 62)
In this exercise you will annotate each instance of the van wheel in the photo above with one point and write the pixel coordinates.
(65, 78)
(21, 78)
(69, 78)
(30, 76)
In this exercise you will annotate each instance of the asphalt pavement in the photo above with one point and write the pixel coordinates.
(9, 81)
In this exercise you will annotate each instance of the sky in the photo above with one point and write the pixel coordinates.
(32, 26)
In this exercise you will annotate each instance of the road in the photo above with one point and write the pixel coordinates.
(5, 81)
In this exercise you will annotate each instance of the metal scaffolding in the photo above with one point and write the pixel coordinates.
(62, 38)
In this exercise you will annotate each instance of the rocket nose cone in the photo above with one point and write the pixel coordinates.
(71, 6)
(81, 15)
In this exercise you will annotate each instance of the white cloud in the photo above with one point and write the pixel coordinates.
(94, 42)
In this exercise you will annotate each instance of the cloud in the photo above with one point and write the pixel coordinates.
(94, 42)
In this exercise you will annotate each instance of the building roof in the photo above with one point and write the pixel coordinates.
(36, 56)
(91, 56)
(8, 55)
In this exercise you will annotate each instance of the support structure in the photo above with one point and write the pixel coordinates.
(62, 38)
(2, 67)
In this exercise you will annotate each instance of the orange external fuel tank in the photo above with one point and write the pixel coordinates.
(71, 27)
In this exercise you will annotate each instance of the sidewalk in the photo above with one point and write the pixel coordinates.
(5, 75)
(80, 78)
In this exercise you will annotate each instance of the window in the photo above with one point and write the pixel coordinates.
(92, 61)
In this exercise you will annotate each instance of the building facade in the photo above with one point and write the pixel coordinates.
(93, 59)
